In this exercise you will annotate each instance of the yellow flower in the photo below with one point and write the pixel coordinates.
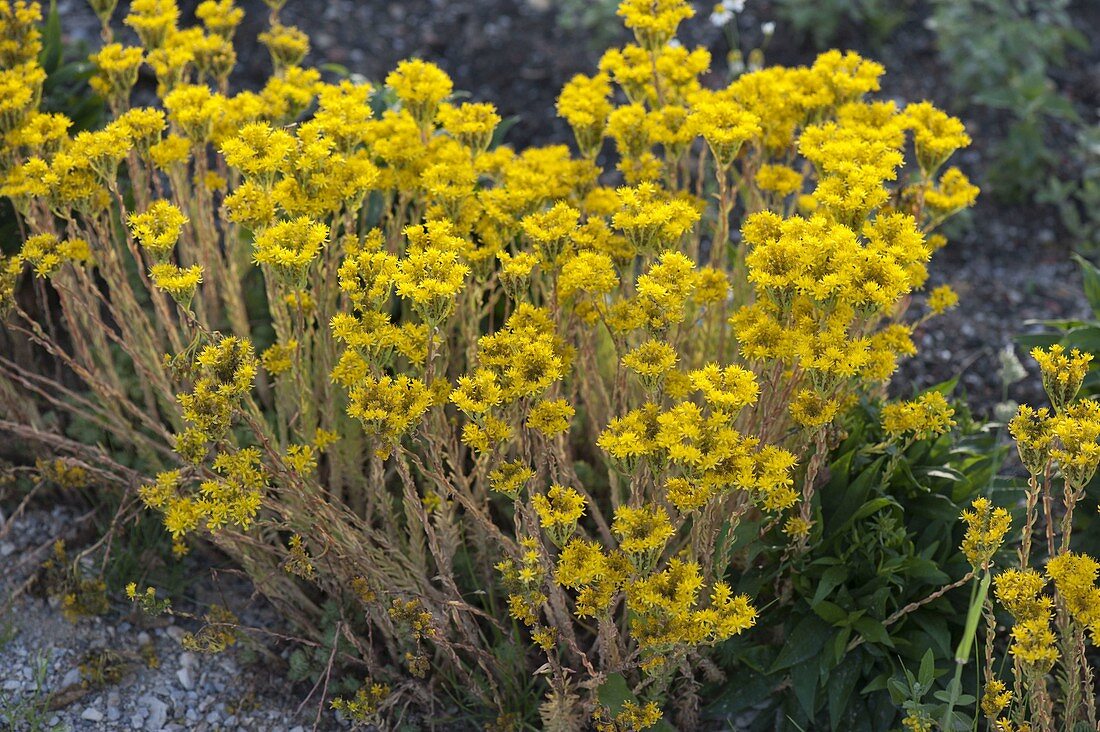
(511, 478)
(942, 299)
(654, 22)
(117, 71)
(550, 417)
(279, 358)
(286, 44)
(584, 566)
(193, 108)
(779, 179)
(1031, 430)
(558, 512)
(477, 394)
(158, 228)
(289, 247)
(470, 123)
(551, 230)
(179, 282)
(725, 125)
(813, 410)
(430, 279)
(1077, 447)
(651, 360)
(152, 20)
(643, 530)
(388, 407)
(995, 698)
(46, 254)
(935, 135)
(1074, 577)
(955, 192)
(986, 527)
(219, 16)
(421, 86)
(929, 415)
(730, 388)
(651, 219)
(583, 103)
(1062, 374)
(1020, 591)
(591, 273)
(259, 151)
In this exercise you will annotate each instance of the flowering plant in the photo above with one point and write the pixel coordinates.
(488, 398)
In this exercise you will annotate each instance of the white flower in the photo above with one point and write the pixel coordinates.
(768, 28)
(1011, 369)
(721, 16)
(724, 11)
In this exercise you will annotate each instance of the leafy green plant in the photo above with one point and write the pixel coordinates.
(594, 19)
(868, 599)
(1003, 54)
(1078, 199)
(1082, 334)
(823, 20)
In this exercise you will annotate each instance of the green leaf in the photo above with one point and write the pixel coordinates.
(1090, 275)
(805, 641)
(831, 578)
(899, 692)
(927, 672)
(830, 612)
(502, 130)
(874, 631)
(943, 472)
(1086, 338)
(841, 685)
(614, 692)
(840, 644)
(804, 683)
(50, 57)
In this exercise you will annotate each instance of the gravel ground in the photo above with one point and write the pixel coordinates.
(162, 686)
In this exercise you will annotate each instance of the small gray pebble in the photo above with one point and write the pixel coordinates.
(92, 715)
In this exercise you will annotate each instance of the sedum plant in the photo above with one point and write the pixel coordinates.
(501, 409)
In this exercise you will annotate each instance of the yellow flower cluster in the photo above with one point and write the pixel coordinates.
(463, 319)
(46, 254)
(986, 527)
(927, 416)
(558, 512)
(1062, 372)
(666, 614)
(388, 407)
(1033, 641)
(523, 580)
(1071, 435)
(1074, 577)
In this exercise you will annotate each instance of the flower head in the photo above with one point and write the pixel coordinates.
(986, 527)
